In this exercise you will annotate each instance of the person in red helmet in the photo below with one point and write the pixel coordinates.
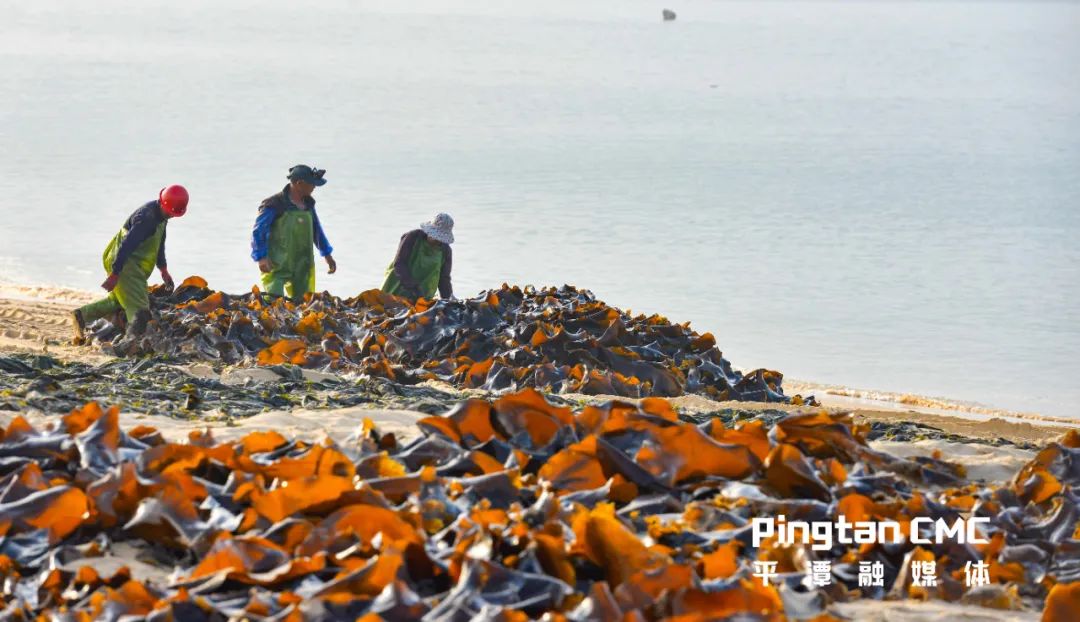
(129, 260)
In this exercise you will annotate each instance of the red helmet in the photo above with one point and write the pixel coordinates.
(173, 200)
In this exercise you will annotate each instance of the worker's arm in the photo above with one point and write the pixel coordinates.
(401, 260)
(446, 289)
(166, 278)
(260, 234)
(321, 242)
(161, 264)
(140, 226)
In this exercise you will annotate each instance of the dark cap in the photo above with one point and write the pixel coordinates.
(303, 172)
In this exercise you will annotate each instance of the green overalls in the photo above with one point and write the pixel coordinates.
(425, 265)
(130, 291)
(292, 255)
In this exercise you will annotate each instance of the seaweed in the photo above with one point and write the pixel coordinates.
(559, 340)
(505, 509)
(164, 386)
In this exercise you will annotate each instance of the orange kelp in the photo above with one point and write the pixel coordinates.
(558, 340)
(503, 510)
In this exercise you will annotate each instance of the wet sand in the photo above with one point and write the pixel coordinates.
(38, 319)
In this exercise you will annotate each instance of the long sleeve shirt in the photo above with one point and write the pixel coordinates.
(404, 252)
(269, 210)
(140, 226)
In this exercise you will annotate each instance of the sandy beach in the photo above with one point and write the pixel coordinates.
(37, 320)
(562, 311)
(992, 445)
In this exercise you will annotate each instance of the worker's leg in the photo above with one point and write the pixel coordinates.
(131, 292)
(97, 310)
(274, 283)
(296, 289)
(86, 314)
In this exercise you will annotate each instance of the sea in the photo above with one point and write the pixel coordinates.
(879, 195)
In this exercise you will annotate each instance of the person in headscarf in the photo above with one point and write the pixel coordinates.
(423, 261)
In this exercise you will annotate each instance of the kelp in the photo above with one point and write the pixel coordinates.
(164, 386)
(507, 509)
(559, 340)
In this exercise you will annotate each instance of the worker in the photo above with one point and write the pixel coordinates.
(423, 262)
(129, 261)
(286, 230)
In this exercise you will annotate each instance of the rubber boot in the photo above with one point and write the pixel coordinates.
(138, 324)
(79, 326)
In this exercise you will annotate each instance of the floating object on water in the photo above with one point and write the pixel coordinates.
(557, 340)
(668, 15)
(508, 507)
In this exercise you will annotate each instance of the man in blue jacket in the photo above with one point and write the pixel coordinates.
(287, 230)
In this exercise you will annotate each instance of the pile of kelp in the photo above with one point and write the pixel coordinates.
(556, 340)
(507, 510)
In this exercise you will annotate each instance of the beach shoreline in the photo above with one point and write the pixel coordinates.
(36, 319)
(991, 446)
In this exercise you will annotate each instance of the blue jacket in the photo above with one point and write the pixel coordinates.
(138, 227)
(269, 210)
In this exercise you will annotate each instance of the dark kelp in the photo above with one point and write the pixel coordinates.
(161, 385)
(557, 340)
(509, 509)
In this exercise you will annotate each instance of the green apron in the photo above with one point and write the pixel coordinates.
(130, 291)
(292, 253)
(425, 265)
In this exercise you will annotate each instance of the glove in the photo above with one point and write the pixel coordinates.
(265, 265)
(110, 283)
(331, 263)
(167, 279)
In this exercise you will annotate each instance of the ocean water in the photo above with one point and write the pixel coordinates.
(883, 195)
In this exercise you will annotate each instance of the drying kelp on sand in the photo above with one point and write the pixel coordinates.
(156, 385)
(506, 510)
(558, 340)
